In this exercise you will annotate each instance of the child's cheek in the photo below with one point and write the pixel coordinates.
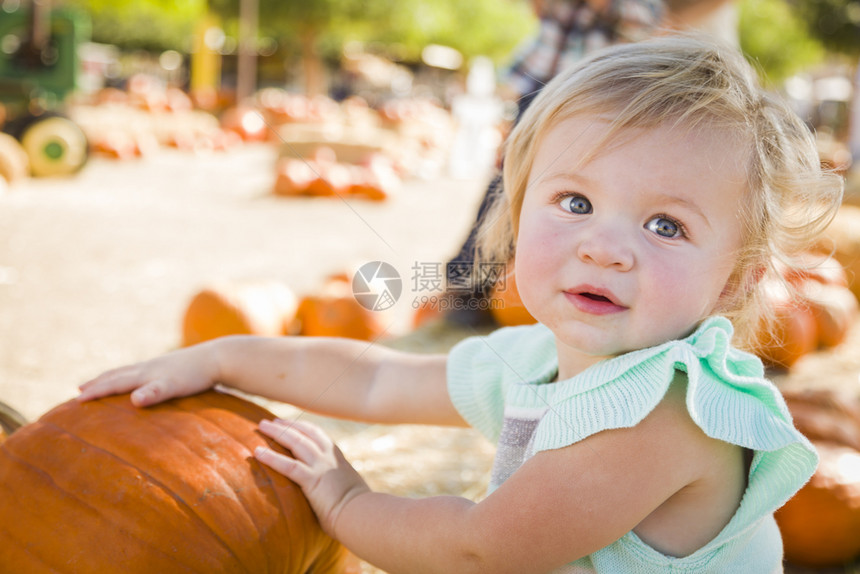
(537, 265)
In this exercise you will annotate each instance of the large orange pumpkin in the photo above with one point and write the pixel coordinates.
(103, 486)
(267, 309)
(820, 525)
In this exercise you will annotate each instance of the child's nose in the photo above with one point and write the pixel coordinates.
(606, 248)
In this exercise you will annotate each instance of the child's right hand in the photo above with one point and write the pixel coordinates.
(177, 374)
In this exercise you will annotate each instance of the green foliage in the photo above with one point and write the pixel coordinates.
(487, 27)
(146, 24)
(775, 38)
(477, 27)
(835, 22)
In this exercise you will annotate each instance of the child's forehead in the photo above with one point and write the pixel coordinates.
(594, 133)
(662, 153)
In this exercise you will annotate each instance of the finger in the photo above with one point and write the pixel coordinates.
(317, 435)
(112, 382)
(153, 392)
(291, 438)
(293, 469)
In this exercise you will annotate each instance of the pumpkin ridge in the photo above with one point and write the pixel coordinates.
(256, 412)
(4, 537)
(79, 501)
(165, 430)
(190, 513)
(306, 561)
(217, 418)
(155, 483)
(5, 532)
(158, 487)
(200, 414)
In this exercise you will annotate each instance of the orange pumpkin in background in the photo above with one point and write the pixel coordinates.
(428, 311)
(323, 176)
(103, 487)
(266, 308)
(506, 306)
(818, 317)
(793, 334)
(820, 525)
(336, 313)
(246, 121)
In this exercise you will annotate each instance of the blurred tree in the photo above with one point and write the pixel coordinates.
(775, 38)
(320, 28)
(154, 25)
(836, 23)
(479, 27)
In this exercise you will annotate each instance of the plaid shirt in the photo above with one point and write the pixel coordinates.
(570, 29)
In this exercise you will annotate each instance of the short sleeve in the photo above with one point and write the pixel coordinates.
(481, 369)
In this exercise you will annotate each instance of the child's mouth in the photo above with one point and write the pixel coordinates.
(595, 297)
(594, 301)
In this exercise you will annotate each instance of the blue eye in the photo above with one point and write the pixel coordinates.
(576, 204)
(665, 227)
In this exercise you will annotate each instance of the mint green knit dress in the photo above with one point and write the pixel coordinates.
(503, 386)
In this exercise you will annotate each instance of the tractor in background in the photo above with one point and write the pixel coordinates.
(38, 70)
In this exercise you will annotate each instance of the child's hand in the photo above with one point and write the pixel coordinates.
(177, 374)
(320, 469)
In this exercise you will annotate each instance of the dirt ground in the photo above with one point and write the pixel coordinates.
(96, 271)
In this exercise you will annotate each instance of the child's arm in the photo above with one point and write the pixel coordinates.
(337, 377)
(560, 505)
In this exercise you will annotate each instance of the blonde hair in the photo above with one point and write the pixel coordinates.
(687, 83)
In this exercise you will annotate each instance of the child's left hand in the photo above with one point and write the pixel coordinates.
(319, 467)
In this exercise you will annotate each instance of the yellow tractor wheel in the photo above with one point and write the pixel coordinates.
(55, 146)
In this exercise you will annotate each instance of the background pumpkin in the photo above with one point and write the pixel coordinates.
(819, 316)
(335, 312)
(505, 304)
(793, 333)
(267, 308)
(105, 487)
(820, 525)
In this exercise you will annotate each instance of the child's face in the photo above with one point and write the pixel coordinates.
(634, 247)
